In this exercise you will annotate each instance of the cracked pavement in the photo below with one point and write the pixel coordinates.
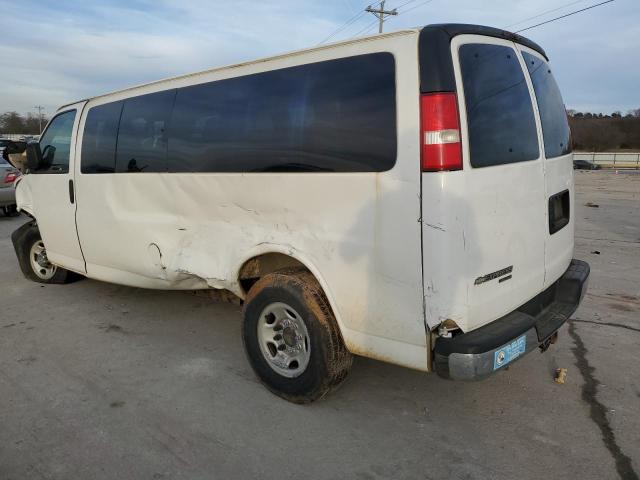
(102, 381)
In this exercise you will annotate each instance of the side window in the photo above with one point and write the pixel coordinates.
(500, 114)
(332, 116)
(55, 143)
(553, 116)
(99, 138)
(142, 136)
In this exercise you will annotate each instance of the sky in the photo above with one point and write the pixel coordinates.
(54, 53)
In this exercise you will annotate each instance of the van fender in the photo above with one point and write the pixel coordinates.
(24, 196)
(268, 247)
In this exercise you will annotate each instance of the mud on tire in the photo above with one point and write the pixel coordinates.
(26, 241)
(328, 360)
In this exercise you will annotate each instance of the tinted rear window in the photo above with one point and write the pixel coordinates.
(142, 135)
(553, 116)
(99, 138)
(336, 116)
(500, 116)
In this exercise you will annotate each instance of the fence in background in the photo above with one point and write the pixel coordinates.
(18, 136)
(610, 159)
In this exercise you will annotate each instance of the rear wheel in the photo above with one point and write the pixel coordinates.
(32, 256)
(291, 337)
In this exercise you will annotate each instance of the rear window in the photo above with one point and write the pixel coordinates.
(553, 116)
(500, 116)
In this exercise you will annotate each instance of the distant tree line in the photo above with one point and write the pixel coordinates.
(29, 124)
(597, 132)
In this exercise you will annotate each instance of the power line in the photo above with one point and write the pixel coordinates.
(367, 28)
(564, 16)
(345, 25)
(405, 3)
(543, 13)
(381, 14)
(414, 7)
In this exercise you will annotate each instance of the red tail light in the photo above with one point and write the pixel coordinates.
(11, 177)
(441, 146)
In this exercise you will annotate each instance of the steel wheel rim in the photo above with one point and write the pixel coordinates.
(40, 263)
(284, 339)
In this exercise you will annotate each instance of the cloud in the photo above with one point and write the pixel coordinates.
(60, 52)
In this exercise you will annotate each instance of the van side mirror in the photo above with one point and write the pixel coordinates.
(12, 152)
(35, 160)
(9, 149)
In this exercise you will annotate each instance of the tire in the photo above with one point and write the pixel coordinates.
(310, 358)
(29, 249)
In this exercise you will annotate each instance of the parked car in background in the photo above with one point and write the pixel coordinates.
(585, 165)
(405, 197)
(8, 176)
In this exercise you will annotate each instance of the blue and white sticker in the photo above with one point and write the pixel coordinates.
(509, 352)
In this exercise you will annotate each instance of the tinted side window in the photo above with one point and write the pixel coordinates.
(142, 136)
(335, 116)
(99, 138)
(553, 116)
(55, 143)
(500, 117)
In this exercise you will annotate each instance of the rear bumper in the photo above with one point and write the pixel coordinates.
(479, 353)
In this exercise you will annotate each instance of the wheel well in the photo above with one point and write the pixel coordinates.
(255, 268)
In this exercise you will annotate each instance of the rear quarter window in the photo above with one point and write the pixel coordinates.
(500, 116)
(553, 116)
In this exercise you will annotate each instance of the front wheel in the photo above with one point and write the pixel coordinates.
(32, 256)
(291, 337)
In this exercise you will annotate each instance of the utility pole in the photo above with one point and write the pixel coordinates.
(381, 13)
(40, 108)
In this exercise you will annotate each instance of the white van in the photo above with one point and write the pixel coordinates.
(405, 197)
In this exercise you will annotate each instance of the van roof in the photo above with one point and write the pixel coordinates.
(449, 30)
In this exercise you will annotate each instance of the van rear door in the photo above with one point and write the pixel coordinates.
(485, 226)
(558, 165)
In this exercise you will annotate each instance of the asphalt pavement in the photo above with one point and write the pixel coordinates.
(100, 381)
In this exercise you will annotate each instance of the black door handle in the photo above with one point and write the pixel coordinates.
(71, 194)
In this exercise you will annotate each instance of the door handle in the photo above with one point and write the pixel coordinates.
(71, 194)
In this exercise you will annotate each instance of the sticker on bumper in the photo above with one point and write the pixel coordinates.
(509, 352)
